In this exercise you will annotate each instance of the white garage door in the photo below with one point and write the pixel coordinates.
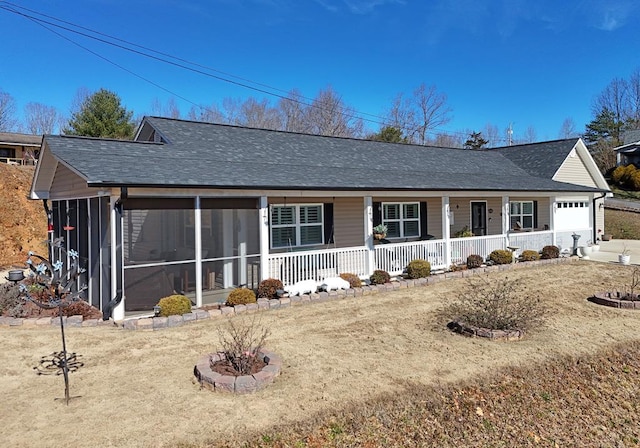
(572, 215)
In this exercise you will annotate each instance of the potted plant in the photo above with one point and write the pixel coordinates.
(625, 256)
(380, 231)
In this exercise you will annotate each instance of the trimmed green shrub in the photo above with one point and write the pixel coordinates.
(474, 261)
(176, 304)
(549, 252)
(353, 279)
(501, 256)
(529, 255)
(418, 268)
(241, 296)
(268, 288)
(379, 277)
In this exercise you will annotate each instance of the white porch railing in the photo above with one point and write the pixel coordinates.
(531, 240)
(292, 267)
(461, 248)
(395, 257)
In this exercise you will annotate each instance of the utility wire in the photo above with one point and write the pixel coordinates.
(181, 64)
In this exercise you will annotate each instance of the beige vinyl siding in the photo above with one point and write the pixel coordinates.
(348, 222)
(434, 217)
(574, 171)
(461, 213)
(66, 184)
(599, 224)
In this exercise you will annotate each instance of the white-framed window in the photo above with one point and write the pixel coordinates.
(296, 225)
(522, 214)
(402, 219)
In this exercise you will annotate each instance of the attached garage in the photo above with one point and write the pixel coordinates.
(572, 215)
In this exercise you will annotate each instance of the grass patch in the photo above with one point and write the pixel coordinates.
(625, 194)
(587, 401)
(621, 224)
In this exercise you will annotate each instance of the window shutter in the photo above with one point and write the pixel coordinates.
(328, 223)
(423, 219)
(377, 213)
(535, 214)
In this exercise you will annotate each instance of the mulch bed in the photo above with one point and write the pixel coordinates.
(224, 367)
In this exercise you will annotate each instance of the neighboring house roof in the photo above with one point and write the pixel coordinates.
(631, 137)
(15, 139)
(222, 156)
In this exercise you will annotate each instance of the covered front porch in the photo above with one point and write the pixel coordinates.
(149, 247)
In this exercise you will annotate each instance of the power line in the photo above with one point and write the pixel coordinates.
(347, 112)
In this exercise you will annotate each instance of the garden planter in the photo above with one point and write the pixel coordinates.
(607, 237)
(624, 259)
(586, 250)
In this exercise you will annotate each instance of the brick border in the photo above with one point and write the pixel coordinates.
(244, 384)
(495, 335)
(613, 300)
(262, 304)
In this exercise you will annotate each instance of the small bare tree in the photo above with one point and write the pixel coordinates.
(41, 119)
(8, 121)
(241, 341)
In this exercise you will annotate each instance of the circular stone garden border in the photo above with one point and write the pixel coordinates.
(496, 335)
(614, 299)
(244, 384)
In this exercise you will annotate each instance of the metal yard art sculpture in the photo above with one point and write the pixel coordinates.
(55, 285)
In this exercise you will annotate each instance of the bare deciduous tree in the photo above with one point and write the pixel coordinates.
(207, 114)
(168, 110)
(293, 112)
(8, 121)
(421, 114)
(42, 119)
(568, 129)
(530, 135)
(491, 134)
(329, 115)
(258, 114)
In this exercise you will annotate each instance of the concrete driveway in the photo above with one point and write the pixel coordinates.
(609, 251)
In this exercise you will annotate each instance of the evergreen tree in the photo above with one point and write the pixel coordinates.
(101, 115)
(389, 134)
(475, 141)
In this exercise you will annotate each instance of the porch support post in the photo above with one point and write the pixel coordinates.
(197, 218)
(263, 230)
(368, 234)
(228, 232)
(446, 230)
(553, 206)
(117, 271)
(506, 219)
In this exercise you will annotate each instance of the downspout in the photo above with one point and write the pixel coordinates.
(595, 231)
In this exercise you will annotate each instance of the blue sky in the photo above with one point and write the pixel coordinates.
(530, 63)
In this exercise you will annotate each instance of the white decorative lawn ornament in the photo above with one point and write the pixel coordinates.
(302, 287)
(336, 283)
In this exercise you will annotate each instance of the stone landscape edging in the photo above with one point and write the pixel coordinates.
(606, 299)
(243, 384)
(157, 323)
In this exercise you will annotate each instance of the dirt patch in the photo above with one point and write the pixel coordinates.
(23, 222)
(138, 387)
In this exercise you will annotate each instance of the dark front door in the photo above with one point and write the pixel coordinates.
(479, 218)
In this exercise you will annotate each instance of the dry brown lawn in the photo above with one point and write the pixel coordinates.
(137, 388)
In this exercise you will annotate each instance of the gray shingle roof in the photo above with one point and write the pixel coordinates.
(222, 156)
(539, 159)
